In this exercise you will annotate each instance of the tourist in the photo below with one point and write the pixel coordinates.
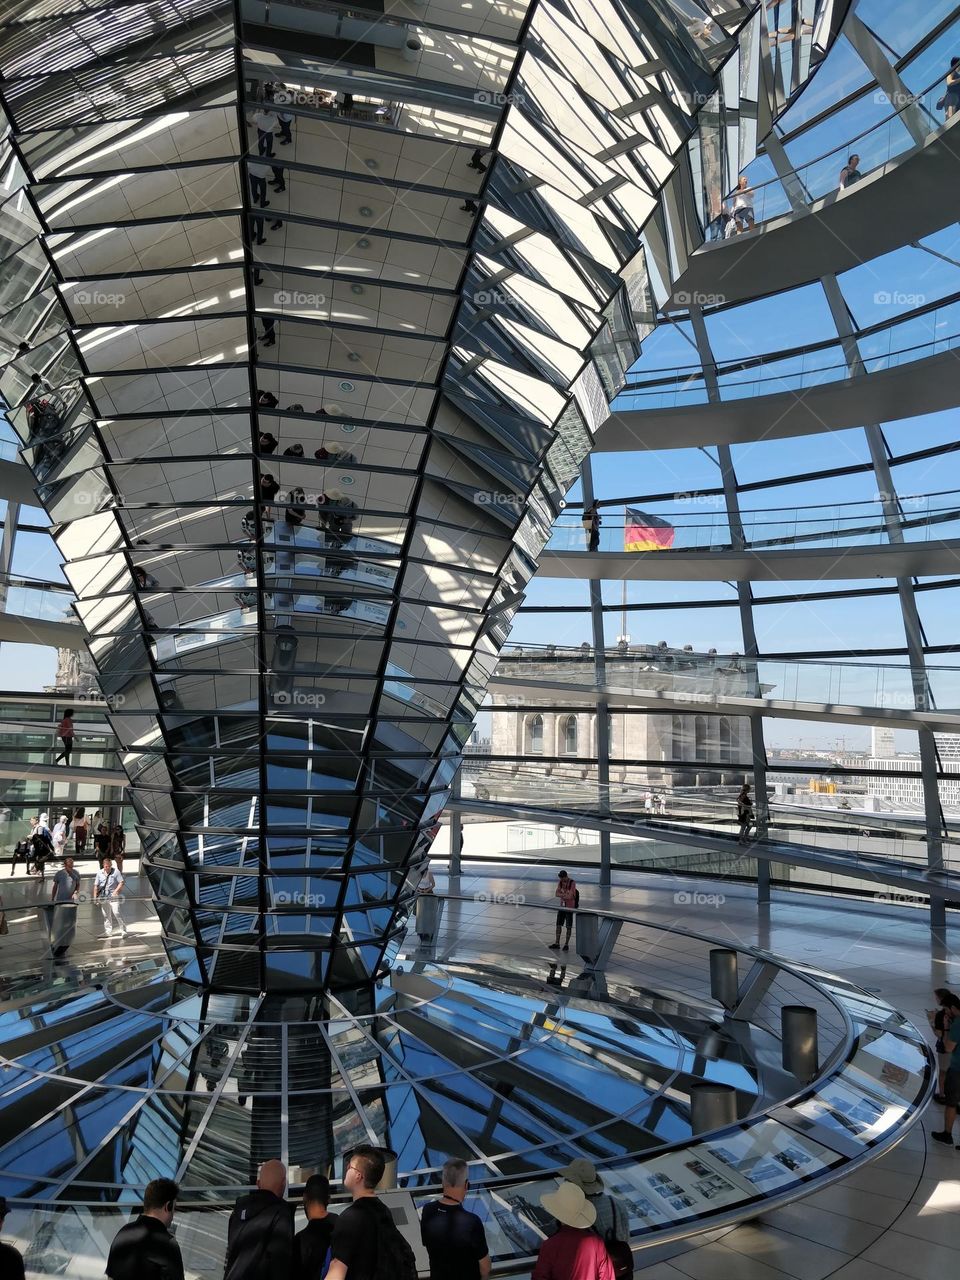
(951, 99)
(11, 1259)
(79, 833)
(145, 1249)
(850, 173)
(745, 814)
(267, 442)
(59, 835)
(742, 209)
(366, 1243)
(107, 888)
(427, 882)
(41, 844)
(951, 1083)
(940, 1018)
(591, 526)
(575, 1251)
(311, 1246)
(613, 1221)
(118, 846)
(65, 731)
(260, 1231)
(453, 1236)
(101, 841)
(63, 927)
(258, 173)
(569, 897)
(267, 122)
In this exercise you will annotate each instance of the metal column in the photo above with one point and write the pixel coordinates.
(603, 713)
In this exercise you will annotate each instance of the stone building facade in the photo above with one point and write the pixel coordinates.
(679, 747)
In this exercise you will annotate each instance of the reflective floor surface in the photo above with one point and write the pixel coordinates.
(465, 1074)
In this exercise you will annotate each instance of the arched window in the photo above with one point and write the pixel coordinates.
(677, 736)
(568, 738)
(535, 736)
(700, 741)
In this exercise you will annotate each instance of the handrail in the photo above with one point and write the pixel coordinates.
(518, 649)
(915, 99)
(725, 368)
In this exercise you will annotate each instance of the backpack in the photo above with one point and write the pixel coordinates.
(620, 1255)
(576, 898)
(395, 1258)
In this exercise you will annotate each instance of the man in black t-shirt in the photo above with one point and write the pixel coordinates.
(355, 1231)
(453, 1236)
(145, 1249)
(312, 1243)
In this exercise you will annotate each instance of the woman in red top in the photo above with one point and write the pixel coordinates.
(567, 893)
(576, 1252)
(65, 730)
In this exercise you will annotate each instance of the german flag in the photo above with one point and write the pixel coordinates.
(646, 533)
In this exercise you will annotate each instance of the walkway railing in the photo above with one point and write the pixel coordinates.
(881, 347)
(699, 678)
(694, 527)
(879, 147)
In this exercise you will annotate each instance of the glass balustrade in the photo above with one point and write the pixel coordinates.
(922, 518)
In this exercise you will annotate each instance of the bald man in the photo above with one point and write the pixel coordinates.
(260, 1233)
